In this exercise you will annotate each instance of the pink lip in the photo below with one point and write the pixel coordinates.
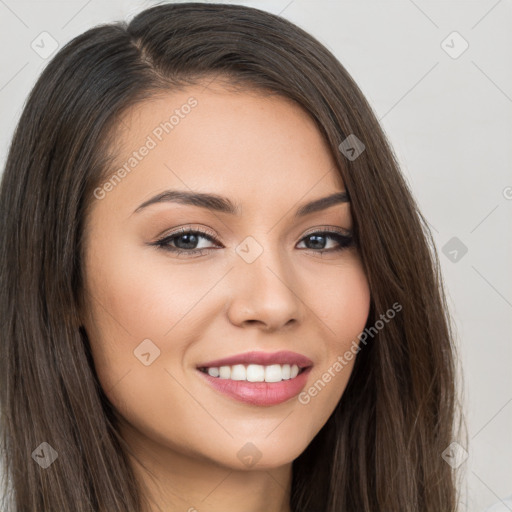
(263, 358)
(259, 393)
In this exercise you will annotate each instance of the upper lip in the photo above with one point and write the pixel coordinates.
(262, 358)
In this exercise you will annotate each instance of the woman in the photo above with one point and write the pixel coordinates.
(217, 291)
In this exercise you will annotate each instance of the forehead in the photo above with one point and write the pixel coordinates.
(245, 144)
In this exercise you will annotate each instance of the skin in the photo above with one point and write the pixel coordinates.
(266, 154)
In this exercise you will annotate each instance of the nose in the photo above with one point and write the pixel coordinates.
(264, 293)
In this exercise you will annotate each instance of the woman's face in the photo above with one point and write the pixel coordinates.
(260, 282)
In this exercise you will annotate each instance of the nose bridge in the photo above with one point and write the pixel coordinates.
(263, 285)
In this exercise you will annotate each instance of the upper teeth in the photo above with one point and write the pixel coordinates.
(255, 372)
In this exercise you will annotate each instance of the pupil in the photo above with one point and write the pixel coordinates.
(316, 241)
(192, 241)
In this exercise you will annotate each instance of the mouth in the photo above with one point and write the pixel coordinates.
(254, 372)
(258, 378)
(252, 361)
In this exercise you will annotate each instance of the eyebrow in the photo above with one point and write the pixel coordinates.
(225, 205)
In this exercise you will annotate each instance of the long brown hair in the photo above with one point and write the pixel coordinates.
(381, 448)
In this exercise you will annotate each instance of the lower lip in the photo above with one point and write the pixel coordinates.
(259, 393)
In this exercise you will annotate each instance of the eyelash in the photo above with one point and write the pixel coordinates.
(344, 241)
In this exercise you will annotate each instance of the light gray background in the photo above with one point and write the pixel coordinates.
(450, 122)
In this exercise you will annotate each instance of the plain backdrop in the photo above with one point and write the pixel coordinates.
(439, 77)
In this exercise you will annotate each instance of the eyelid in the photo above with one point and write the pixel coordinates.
(207, 232)
(345, 238)
(214, 238)
(331, 229)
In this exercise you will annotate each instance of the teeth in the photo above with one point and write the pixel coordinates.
(214, 372)
(225, 372)
(238, 372)
(255, 372)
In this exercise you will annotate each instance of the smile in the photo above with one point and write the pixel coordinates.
(258, 378)
(254, 372)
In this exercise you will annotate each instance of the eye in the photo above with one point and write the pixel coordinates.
(186, 240)
(318, 240)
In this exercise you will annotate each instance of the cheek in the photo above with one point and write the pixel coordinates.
(138, 295)
(130, 300)
(141, 291)
(344, 307)
(343, 303)
(135, 297)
